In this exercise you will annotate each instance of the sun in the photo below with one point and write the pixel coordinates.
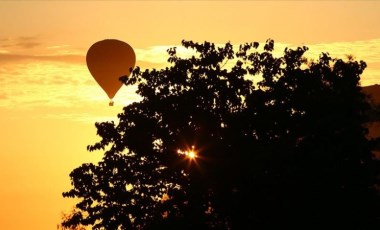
(191, 154)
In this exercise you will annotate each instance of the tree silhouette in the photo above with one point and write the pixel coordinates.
(67, 217)
(280, 143)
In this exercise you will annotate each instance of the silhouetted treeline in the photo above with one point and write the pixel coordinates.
(281, 144)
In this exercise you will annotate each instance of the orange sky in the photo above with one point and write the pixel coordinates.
(49, 101)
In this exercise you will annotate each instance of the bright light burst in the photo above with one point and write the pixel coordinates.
(189, 153)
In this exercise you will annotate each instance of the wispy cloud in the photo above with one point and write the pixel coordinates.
(57, 47)
(61, 86)
(19, 42)
(34, 48)
(366, 50)
(17, 58)
(3, 96)
(61, 90)
(158, 54)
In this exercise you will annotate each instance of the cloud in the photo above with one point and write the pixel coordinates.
(151, 65)
(367, 51)
(27, 45)
(57, 47)
(158, 54)
(55, 85)
(39, 83)
(17, 58)
(61, 86)
(35, 49)
(22, 42)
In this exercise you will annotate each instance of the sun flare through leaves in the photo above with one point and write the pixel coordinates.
(189, 153)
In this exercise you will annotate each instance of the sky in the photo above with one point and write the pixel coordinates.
(49, 101)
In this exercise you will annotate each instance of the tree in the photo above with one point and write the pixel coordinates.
(285, 150)
(70, 216)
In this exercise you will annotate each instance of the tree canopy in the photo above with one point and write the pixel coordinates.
(279, 142)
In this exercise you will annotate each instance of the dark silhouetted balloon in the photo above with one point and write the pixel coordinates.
(107, 61)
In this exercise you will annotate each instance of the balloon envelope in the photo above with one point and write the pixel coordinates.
(107, 61)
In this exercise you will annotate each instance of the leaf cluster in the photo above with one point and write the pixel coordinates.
(280, 142)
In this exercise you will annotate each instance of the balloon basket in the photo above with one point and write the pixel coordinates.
(111, 103)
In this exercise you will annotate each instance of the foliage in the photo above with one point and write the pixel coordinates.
(285, 150)
(67, 217)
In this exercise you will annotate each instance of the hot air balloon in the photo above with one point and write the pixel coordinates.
(107, 61)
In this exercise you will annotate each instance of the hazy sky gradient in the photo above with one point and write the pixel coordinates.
(49, 101)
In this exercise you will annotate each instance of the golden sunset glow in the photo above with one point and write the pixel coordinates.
(49, 101)
(190, 153)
